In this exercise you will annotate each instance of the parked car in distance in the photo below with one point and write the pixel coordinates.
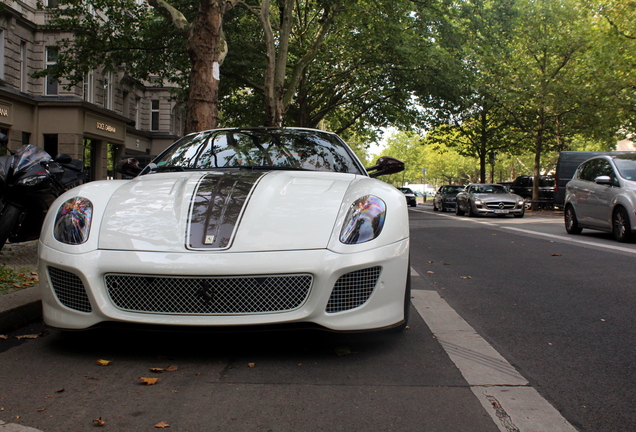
(444, 199)
(232, 228)
(523, 185)
(485, 198)
(409, 195)
(602, 196)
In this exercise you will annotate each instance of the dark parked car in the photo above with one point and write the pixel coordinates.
(483, 198)
(523, 186)
(602, 196)
(445, 197)
(410, 196)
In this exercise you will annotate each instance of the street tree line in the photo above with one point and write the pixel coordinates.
(486, 79)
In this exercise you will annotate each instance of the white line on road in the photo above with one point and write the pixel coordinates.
(572, 240)
(504, 393)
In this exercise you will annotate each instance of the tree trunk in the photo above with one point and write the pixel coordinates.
(203, 48)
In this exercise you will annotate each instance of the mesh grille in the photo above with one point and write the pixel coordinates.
(222, 295)
(69, 290)
(353, 289)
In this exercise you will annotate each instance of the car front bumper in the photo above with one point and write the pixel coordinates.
(384, 306)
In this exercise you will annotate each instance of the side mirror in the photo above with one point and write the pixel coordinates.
(128, 167)
(603, 180)
(384, 166)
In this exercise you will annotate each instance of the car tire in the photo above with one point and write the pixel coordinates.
(471, 212)
(435, 206)
(621, 227)
(8, 220)
(443, 208)
(458, 211)
(571, 222)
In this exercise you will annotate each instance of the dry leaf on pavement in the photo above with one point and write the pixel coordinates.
(162, 425)
(103, 362)
(31, 336)
(148, 381)
(99, 422)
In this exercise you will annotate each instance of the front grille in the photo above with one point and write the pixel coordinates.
(208, 295)
(501, 205)
(353, 289)
(69, 290)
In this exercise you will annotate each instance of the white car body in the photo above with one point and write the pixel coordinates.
(289, 229)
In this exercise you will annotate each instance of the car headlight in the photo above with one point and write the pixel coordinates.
(477, 202)
(73, 221)
(520, 202)
(364, 221)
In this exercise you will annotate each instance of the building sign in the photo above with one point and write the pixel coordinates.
(101, 127)
(4, 112)
(106, 127)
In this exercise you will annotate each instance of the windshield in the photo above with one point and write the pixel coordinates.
(29, 155)
(626, 166)
(452, 189)
(275, 149)
(493, 189)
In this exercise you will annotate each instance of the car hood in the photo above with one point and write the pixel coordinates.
(489, 197)
(235, 211)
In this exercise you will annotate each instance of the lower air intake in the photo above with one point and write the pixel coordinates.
(353, 289)
(69, 290)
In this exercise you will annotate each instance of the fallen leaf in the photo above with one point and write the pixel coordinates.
(171, 368)
(343, 351)
(60, 390)
(251, 365)
(103, 362)
(162, 370)
(4, 337)
(41, 409)
(34, 273)
(162, 425)
(99, 422)
(148, 381)
(30, 336)
(430, 272)
(555, 255)
(465, 277)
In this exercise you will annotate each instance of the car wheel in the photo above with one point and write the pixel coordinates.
(443, 208)
(458, 211)
(435, 206)
(571, 222)
(471, 213)
(621, 226)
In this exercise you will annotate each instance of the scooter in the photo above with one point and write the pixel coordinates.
(30, 180)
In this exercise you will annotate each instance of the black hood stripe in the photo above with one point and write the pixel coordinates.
(217, 206)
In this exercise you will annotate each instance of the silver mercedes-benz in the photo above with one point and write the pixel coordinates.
(486, 198)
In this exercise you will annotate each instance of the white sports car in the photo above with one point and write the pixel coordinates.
(232, 227)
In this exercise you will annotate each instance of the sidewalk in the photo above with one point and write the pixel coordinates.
(24, 306)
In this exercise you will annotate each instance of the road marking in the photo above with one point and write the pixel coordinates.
(504, 393)
(571, 240)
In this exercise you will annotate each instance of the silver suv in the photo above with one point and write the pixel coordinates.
(602, 196)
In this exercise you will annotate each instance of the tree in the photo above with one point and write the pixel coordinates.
(124, 34)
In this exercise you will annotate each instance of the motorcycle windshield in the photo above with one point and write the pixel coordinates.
(29, 155)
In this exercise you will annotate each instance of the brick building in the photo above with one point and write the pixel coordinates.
(101, 119)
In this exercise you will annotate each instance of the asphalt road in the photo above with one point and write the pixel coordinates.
(560, 308)
(554, 329)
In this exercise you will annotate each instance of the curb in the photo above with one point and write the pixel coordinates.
(13, 427)
(20, 308)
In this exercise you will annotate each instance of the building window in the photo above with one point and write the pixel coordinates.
(87, 87)
(51, 60)
(50, 144)
(26, 138)
(52, 3)
(108, 90)
(23, 66)
(154, 115)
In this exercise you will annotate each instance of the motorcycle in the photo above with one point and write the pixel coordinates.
(30, 180)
